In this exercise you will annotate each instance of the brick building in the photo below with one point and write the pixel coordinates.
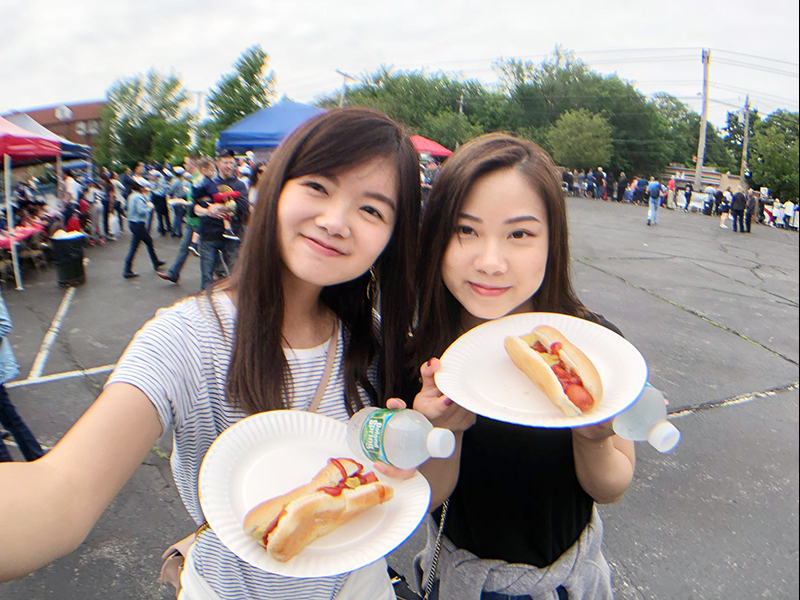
(79, 123)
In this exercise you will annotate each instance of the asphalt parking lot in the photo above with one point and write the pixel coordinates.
(714, 313)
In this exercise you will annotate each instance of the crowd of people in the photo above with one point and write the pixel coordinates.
(741, 206)
(204, 202)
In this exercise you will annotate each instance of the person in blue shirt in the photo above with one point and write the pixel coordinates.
(138, 213)
(654, 200)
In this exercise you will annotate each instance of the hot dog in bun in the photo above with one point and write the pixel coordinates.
(564, 373)
(288, 523)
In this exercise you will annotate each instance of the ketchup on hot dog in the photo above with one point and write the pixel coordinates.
(570, 382)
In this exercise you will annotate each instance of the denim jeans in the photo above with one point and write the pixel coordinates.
(653, 211)
(25, 439)
(139, 231)
(210, 251)
(183, 251)
(177, 222)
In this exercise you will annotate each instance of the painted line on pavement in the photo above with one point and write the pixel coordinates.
(61, 376)
(52, 333)
(743, 399)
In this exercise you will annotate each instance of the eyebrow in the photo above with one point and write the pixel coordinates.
(374, 195)
(511, 221)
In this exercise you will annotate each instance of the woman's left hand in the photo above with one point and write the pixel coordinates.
(389, 470)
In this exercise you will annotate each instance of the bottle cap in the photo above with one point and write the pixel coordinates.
(664, 437)
(441, 443)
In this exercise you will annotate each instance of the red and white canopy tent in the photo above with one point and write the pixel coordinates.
(433, 148)
(16, 143)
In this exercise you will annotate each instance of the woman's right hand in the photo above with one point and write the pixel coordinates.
(438, 408)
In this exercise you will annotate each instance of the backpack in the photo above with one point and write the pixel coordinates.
(655, 192)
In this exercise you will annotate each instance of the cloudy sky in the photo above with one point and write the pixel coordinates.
(55, 52)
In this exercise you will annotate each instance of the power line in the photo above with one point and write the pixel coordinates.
(726, 61)
(786, 62)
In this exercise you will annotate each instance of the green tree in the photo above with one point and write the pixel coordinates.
(145, 119)
(774, 162)
(580, 139)
(681, 132)
(734, 134)
(560, 83)
(245, 91)
(436, 106)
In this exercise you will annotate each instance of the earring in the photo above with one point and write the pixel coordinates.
(372, 284)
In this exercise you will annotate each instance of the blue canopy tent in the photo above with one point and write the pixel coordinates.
(266, 128)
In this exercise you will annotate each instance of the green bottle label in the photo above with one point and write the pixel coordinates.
(372, 431)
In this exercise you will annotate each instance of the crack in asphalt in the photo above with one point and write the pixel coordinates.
(747, 285)
(741, 399)
(708, 320)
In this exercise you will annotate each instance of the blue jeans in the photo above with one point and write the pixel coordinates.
(25, 439)
(183, 251)
(210, 251)
(653, 211)
(177, 223)
(140, 235)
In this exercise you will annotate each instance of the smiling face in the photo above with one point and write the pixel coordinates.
(332, 228)
(496, 260)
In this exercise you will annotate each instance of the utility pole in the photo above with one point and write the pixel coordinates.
(745, 142)
(344, 86)
(701, 144)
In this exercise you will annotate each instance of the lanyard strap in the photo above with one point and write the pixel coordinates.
(326, 374)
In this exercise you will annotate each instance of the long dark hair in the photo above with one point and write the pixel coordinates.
(332, 143)
(439, 312)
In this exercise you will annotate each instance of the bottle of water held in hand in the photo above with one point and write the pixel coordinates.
(402, 438)
(646, 420)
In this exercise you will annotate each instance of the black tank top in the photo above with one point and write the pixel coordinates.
(518, 498)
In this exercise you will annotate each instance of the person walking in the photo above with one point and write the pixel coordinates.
(737, 210)
(9, 418)
(177, 197)
(654, 200)
(687, 194)
(138, 212)
(191, 225)
(158, 197)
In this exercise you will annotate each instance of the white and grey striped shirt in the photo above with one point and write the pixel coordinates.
(180, 360)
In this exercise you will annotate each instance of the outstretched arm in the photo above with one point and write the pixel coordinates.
(49, 506)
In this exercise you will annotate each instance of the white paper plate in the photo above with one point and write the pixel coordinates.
(270, 453)
(478, 374)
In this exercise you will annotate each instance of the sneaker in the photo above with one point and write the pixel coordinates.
(166, 276)
(193, 249)
(723, 227)
(648, 222)
(130, 275)
(231, 236)
(160, 264)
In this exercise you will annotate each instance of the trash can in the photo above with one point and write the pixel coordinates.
(68, 256)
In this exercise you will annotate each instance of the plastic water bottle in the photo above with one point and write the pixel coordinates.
(646, 420)
(402, 438)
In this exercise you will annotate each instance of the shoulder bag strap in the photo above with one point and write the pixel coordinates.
(326, 374)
